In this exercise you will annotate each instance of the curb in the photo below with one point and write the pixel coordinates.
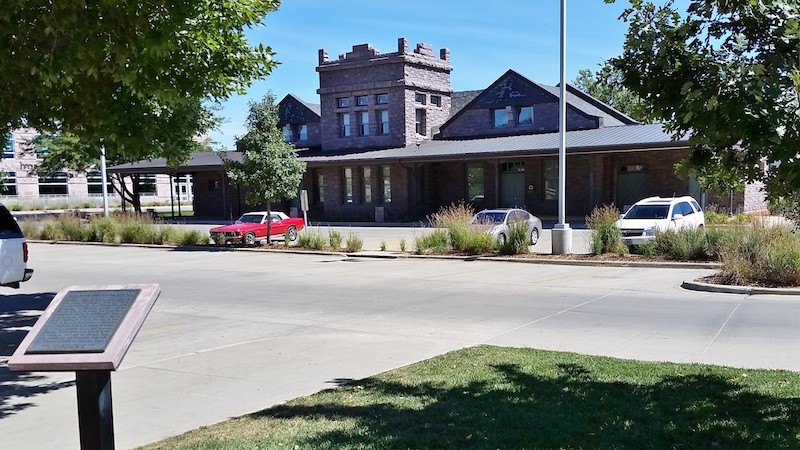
(396, 255)
(747, 290)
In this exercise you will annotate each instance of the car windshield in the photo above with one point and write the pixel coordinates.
(647, 212)
(489, 217)
(250, 218)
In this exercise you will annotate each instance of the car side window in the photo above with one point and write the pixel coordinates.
(275, 217)
(695, 205)
(8, 226)
(686, 209)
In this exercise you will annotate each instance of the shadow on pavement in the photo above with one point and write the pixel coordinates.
(18, 313)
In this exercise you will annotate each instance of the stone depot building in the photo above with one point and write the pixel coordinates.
(389, 140)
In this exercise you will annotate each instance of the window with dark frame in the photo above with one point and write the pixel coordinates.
(9, 184)
(419, 124)
(550, 178)
(344, 125)
(301, 131)
(386, 184)
(436, 100)
(147, 184)
(366, 185)
(382, 99)
(362, 100)
(363, 123)
(383, 121)
(287, 133)
(343, 102)
(475, 186)
(525, 115)
(500, 117)
(94, 183)
(54, 184)
(347, 185)
(419, 98)
(319, 187)
(8, 150)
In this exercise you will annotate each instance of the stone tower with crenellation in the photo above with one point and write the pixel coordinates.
(373, 100)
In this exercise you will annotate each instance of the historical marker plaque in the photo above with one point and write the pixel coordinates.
(84, 322)
(86, 328)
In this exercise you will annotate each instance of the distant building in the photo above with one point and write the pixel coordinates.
(22, 186)
(391, 141)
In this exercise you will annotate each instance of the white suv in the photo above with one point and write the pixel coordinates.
(13, 252)
(639, 224)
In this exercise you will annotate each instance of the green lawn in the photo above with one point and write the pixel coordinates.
(494, 397)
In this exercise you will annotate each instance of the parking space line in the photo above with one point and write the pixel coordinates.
(579, 275)
(533, 322)
(714, 339)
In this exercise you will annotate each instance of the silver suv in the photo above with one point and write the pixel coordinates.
(639, 224)
(13, 252)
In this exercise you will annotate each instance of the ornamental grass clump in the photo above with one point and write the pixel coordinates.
(683, 244)
(191, 237)
(102, 229)
(454, 215)
(73, 228)
(353, 243)
(335, 239)
(605, 235)
(516, 243)
(311, 240)
(432, 243)
(760, 255)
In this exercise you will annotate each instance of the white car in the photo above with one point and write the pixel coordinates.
(639, 224)
(13, 252)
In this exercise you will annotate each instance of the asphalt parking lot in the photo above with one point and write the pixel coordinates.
(236, 332)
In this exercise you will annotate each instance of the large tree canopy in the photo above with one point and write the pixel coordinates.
(606, 86)
(728, 72)
(136, 74)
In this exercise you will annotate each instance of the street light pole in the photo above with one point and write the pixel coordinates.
(104, 177)
(562, 233)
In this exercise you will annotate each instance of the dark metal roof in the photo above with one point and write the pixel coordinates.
(600, 140)
(198, 162)
(606, 139)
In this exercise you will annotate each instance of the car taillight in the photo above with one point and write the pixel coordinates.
(25, 252)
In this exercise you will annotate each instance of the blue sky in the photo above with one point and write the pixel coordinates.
(485, 39)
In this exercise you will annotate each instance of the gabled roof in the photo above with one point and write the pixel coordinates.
(575, 99)
(309, 112)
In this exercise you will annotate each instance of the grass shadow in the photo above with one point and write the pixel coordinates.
(565, 404)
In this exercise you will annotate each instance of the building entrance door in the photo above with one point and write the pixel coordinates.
(512, 185)
(631, 186)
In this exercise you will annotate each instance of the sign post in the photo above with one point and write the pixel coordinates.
(88, 329)
(304, 207)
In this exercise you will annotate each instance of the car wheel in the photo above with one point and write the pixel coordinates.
(534, 236)
(502, 239)
(250, 238)
(291, 234)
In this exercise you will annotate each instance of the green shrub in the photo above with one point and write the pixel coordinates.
(605, 236)
(647, 248)
(684, 244)
(52, 230)
(760, 255)
(31, 229)
(432, 243)
(16, 207)
(516, 243)
(192, 237)
(72, 227)
(103, 229)
(383, 245)
(714, 217)
(335, 239)
(402, 244)
(354, 243)
(311, 240)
